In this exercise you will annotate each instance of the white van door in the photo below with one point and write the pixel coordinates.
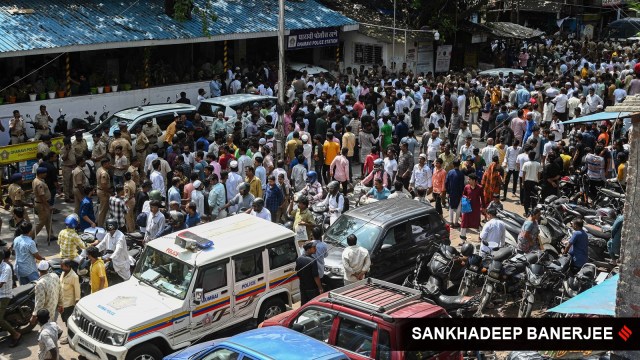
(250, 282)
(282, 265)
(214, 311)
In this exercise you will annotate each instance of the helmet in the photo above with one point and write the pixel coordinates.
(606, 213)
(155, 195)
(176, 217)
(378, 162)
(467, 250)
(111, 224)
(312, 176)
(71, 221)
(259, 203)
(333, 185)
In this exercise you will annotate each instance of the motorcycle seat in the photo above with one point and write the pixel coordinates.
(597, 233)
(452, 302)
(22, 290)
(612, 193)
(584, 210)
(134, 252)
(560, 265)
(519, 219)
(136, 235)
(502, 254)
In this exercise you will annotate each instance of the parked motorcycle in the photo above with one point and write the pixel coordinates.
(543, 278)
(506, 276)
(477, 267)
(584, 279)
(20, 308)
(440, 275)
(61, 123)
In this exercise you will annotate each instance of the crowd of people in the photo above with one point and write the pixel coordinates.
(399, 133)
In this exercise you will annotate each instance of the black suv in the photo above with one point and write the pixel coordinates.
(394, 231)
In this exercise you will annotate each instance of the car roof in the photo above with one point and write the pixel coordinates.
(230, 236)
(231, 100)
(373, 298)
(390, 211)
(145, 110)
(278, 342)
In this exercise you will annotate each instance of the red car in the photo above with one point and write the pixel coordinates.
(364, 320)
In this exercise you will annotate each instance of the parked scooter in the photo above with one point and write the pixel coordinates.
(20, 308)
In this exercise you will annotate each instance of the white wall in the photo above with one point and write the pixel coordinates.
(352, 37)
(77, 105)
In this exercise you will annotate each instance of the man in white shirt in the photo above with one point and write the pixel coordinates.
(424, 108)
(355, 260)
(432, 146)
(433, 119)
(421, 175)
(235, 85)
(493, 233)
(531, 171)
(461, 103)
(510, 165)
(466, 150)
(521, 159)
(560, 102)
(572, 104)
(489, 151)
(114, 245)
(258, 210)
(157, 181)
(334, 200)
(593, 100)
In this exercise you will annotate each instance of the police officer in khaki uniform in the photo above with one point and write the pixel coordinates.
(79, 182)
(104, 190)
(122, 125)
(42, 196)
(153, 132)
(130, 201)
(119, 140)
(99, 151)
(80, 145)
(134, 169)
(16, 128)
(68, 163)
(142, 142)
(16, 194)
(42, 122)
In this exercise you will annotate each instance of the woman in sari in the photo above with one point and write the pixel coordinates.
(473, 192)
(492, 179)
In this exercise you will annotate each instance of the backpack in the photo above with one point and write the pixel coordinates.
(345, 207)
(92, 174)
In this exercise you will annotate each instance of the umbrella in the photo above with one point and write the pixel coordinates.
(599, 300)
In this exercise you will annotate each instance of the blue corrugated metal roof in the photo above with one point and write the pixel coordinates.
(64, 23)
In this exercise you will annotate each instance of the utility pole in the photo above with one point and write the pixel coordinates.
(393, 41)
(281, 81)
(628, 290)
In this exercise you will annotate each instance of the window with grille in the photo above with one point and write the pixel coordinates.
(367, 54)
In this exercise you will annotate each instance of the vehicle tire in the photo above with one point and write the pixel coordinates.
(464, 286)
(145, 352)
(485, 296)
(524, 311)
(271, 308)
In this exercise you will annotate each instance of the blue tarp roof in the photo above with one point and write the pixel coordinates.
(599, 300)
(67, 24)
(601, 116)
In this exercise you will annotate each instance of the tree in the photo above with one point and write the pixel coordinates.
(443, 15)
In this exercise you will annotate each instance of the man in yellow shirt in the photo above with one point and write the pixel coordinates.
(97, 274)
(331, 149)
(255, 185)
(70, 291)
(349, 142)
(290, 148)
(172, 129)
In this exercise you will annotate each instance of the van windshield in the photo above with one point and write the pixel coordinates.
(346, 225)
(164, 272)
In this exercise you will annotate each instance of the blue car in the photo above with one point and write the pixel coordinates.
(270, 343)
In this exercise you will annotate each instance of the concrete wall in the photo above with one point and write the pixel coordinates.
(77, 105)
(388, 55)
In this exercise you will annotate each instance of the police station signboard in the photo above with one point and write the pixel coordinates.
(310, 38)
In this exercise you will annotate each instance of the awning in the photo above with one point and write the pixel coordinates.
(601, 116)
(599, 300)
(508, 30)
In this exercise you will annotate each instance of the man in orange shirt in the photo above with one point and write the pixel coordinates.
(439, 176)
(172, 129)
(331, 149)
(604, 135)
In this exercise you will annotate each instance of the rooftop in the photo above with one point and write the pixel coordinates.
(51, 26)
(382, 212)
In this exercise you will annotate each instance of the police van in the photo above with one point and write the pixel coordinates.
(189, 284)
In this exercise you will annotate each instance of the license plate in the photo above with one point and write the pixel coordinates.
(87, 344)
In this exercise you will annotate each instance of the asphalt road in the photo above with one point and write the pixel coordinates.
(28, 349)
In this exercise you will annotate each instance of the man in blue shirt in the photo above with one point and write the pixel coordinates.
(378, 191)
(578, 246)
(86, 214)
(193, 218)
(26, 255)
(613, 245)
(174, 191)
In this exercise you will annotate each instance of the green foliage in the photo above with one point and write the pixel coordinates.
(182, 9)
(443, 15)
(206, 16)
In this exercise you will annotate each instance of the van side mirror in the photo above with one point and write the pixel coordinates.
(197, 296)
(297, 327)
(385, 246)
